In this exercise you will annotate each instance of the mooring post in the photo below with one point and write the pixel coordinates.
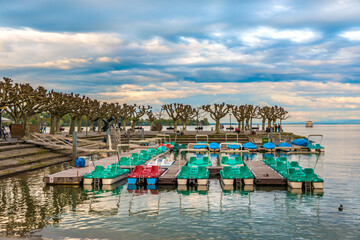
(74, 145)
(142, 134)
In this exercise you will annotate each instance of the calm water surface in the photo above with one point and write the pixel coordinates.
(28, 208)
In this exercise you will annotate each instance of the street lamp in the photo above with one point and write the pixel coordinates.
(230, 121)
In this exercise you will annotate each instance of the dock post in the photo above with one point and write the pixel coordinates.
(74, 145)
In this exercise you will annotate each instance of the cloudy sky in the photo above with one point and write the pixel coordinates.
(302, 55)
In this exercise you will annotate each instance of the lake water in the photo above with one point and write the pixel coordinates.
(29, 208)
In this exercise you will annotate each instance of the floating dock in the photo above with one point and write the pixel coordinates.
(169, 177)
(75, 175)
(264, 175)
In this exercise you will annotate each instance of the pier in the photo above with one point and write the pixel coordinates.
(264, 175)
(169, 177)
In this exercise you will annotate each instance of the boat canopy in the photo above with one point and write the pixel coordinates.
(284, 144)
(214, 145)
(234, 146)
(249, 145)
(300, 142)
(199, 146)
(269, 145)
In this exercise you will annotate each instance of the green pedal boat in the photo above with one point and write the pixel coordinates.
(231, 175)
(193, 174)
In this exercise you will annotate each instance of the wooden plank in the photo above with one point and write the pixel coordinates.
(214, 171)
(169, 177)
(264, 175)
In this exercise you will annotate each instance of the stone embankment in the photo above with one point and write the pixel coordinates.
(17, 156)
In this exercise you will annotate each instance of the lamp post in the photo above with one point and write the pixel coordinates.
(41, 126)
(230, 121)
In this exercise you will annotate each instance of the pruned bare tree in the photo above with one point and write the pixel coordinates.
(283, 115)
(263, 113)
(29, 102)
(152, 117)
(137, 114)
(199, 113)
(239, 113)
(274, 115)
(76, 104)
(158, 114)
(187, 113)
(174, 112)
(250, 113)
(92, 111)
(6, 92)
(217, 111)
(58, 106)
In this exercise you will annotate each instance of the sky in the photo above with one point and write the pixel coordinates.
(301, 55)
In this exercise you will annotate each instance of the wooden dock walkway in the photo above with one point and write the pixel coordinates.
(169, 177)
(264, 175)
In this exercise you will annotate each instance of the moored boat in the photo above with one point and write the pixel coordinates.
(296, 176)
(231, 175)
(227, 160)
(147, 175)
(202, 161)
(193, 174)
(110, 175)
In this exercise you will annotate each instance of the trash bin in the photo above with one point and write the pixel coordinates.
(265, 140)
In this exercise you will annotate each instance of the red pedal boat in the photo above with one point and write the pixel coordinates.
(149, 174)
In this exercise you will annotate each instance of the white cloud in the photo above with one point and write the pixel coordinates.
(107, 59)
(300, 94)
(194, 51)
(266, 35)
(31, 48)
(351, 35)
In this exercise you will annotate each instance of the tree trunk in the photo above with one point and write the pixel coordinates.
(184, 125)
(99, 125)
(79, 124)
(239, 125)
(91, 126)
(274, 122)
(250, 124)
(52, 124)
(269, 122)
(133, 124)
(151, 125)
(58, 124)
(217, 127)
(72, 125)
(124, 125)
(175, 126)
(243, 124)
(26, 127)
(117, 122)
(263, 124)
